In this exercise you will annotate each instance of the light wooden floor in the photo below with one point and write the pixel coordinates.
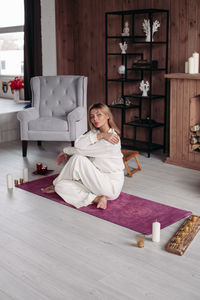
(51, 251)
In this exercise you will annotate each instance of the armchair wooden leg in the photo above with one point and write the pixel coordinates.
(24, 148)
(72, 143)
(39, 143)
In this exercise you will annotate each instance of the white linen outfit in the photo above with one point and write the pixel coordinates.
(94, 169)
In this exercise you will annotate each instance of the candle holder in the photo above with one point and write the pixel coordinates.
(182, 234)
(43, 170)
(190, 224)
(177, 240)
(194, 219)
(21, 180)
(140, 240)
(38, 167)
(16, 182)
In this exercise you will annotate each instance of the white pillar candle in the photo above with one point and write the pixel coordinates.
(186, 67)
(25, 174)
(156, 232)
(191, 65)
(9, 181)
(196, 62)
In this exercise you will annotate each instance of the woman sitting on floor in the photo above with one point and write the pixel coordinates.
(94, 173)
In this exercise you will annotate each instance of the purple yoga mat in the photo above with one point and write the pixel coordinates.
(127, 210)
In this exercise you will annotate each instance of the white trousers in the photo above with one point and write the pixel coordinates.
(80, 182)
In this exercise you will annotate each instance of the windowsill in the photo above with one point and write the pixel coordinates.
(9, 105)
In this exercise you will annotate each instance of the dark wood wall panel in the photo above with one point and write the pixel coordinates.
(80, 27)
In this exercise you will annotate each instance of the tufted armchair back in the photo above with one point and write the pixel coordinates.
(50, 93)
(58, 112)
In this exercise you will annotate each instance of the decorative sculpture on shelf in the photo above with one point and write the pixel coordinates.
(125, 30)
(121, 69)
(121, 101)
(144, 87)
(123, 47)
(128, 102)
(146, 28)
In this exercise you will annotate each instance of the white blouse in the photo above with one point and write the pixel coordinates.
(105, 156)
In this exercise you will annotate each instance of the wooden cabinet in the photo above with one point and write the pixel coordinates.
(143, 118)
(184, 113)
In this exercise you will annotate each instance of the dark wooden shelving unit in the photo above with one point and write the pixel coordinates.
(139, 47)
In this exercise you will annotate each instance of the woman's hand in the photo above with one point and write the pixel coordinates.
(110, 137)
(62, 156)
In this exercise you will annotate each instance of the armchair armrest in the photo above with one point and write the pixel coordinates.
(76, 115)
(28, 114)
(24, 117)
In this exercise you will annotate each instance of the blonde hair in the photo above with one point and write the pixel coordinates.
(106, 111)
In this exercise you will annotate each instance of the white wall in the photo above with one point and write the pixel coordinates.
(48, 28)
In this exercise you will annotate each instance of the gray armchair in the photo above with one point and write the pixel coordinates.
(58, 112)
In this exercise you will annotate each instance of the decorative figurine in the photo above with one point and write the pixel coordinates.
(125, 30)
(128, 102)
(123, 47)
(144, 87)
(121, 69)
(146, 28)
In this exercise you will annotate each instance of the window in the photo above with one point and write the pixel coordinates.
(12, 37)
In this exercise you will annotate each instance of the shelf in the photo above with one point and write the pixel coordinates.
(138, 96)
(124, 80)
(125, 54)
(146, 69)
(142, 123)
(123, 106)
(141, 62)
(136, 42)
(140, 145)
(137, 11)
(183, 76)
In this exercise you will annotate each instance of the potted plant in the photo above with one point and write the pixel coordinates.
(16, 85)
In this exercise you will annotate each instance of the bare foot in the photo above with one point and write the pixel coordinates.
(102, 202)
(48, 189)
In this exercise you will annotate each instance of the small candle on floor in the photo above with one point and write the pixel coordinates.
(39, 167)
(140, 240)
(21, 180)
(182, 234)
(16, 182)
(44, 170)
(156, 232)
(194, 219)
(178, 240)
(190, 224)
(9, 181)
(25, 174)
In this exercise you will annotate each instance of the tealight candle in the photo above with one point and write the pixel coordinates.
(190, 224)
(178, 240)
(21, 180)
(140, 240)
(16, 182)
(186, 229)
(194, 219)
(25, 174)
(182, 234)
(140, 244)
(9, 181)
(156, 232)
(44, 170)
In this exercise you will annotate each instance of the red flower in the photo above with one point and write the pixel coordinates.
(17, 83)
